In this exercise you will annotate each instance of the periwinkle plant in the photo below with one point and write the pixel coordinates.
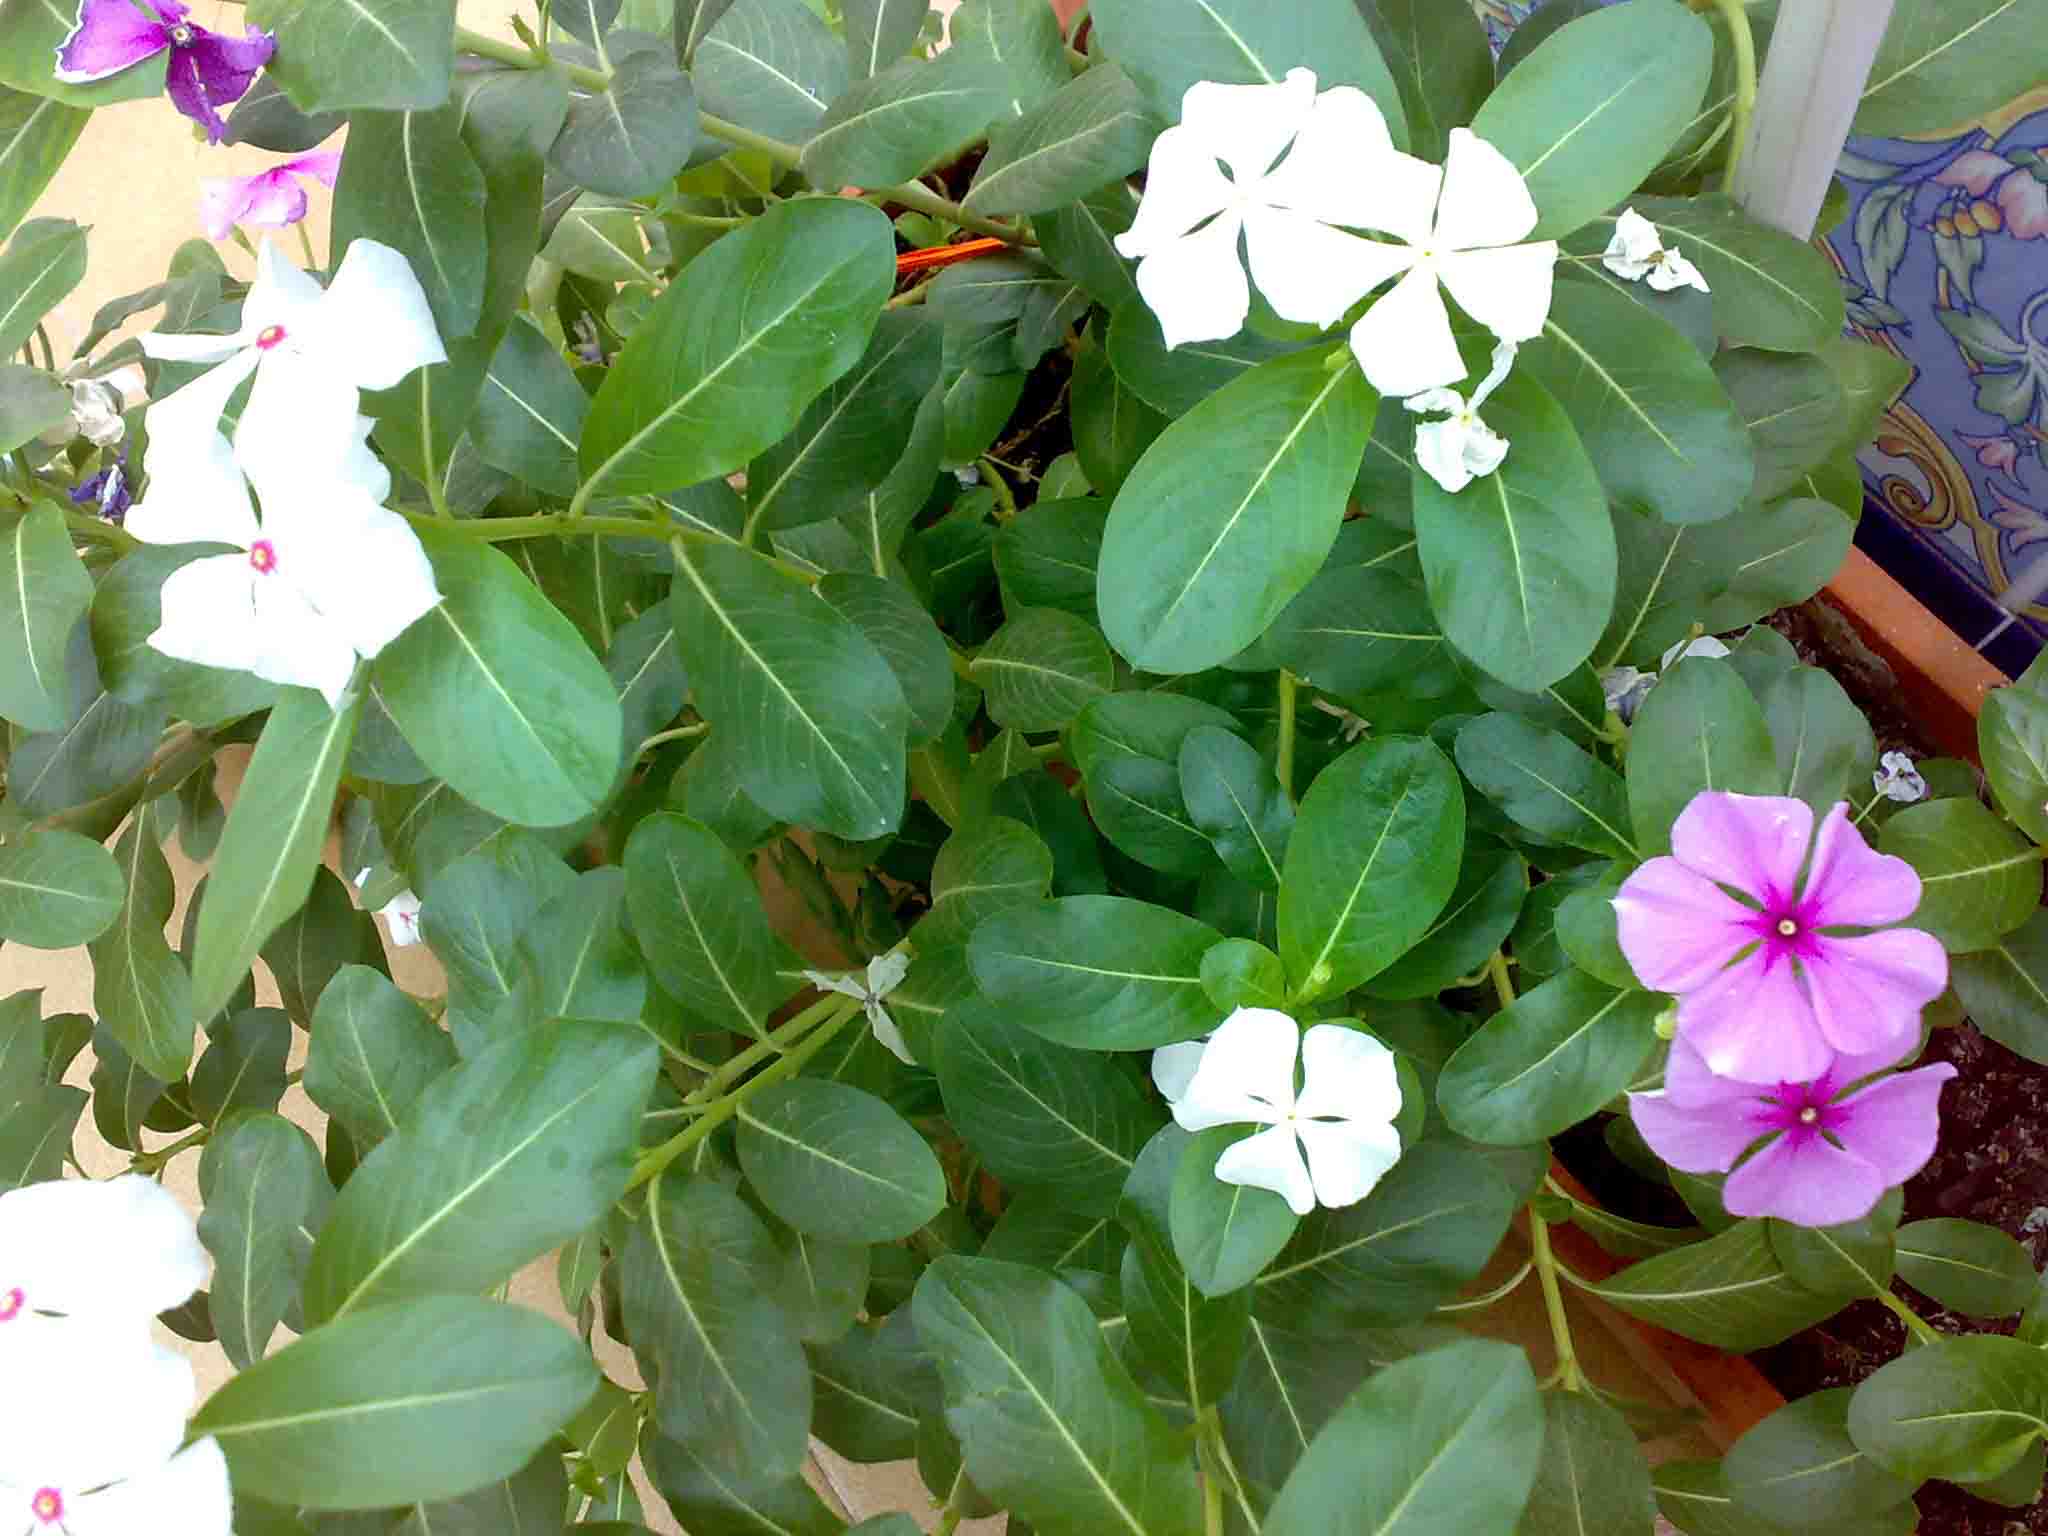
(1214, 862)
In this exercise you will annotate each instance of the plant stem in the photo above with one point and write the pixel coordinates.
(1212, 1473)
(1916, 1325)
(1480, 1303)
(1553, 1303)
(779, 1041)
(1283, 759)
(1006, 499)
(437, 496)
(680, 733)
(1504, 989)
(521, 57)
(652, 1163)
(1744, 42)
(1869, 806)
(150, 1162)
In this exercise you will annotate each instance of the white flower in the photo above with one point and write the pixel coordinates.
(1173, 1067)
(1638, 252)
(1459, 222)
(1459, 449)
(401, 916)
(326, 576)
(312, 353)
(1624, 689)
(1343, 1116)
(884, 974)
(89, 1433)
(1299, 163)
(108, 1256)
(1897, 779)
(1706, 647)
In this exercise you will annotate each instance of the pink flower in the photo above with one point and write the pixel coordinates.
(269, 200)
(2021, 200)
(1768, 990)
(1829, 1155)
(1997, 452)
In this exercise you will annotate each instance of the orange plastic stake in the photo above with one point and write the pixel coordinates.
(946, 255)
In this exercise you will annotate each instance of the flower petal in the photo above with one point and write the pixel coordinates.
(1803, 1178)
(1678, 928)
(1347, 1075)
(111, 35)
(1506, 290)
(1674, 271)
(187, 91)
(1246, 1072)
(187, 1496)
(1440, 452)
(323, 165)
(1752, 1022)
(1754, 843)
(1695, 1138)
(224, 201)
(108, 1403)
(362, 568)
(1635, 245)
(1248, 126)
(300, 647)
(1309, 272)
(1328, 173)
(1196, 285)
(189, 346)
(1868, 991)
(275, 200)
(1173, 1067)
(227, 64)
(196, 491)
(281, 296)
(1399, 196)
(1271, 1160)
(1893, 1123)
(298, 427)
(1485, 201)
(1691, 1084)
(1346, 1158)
(375, 325)
(1404, 341)
(100, 1249)
(1851, 884)
(209, 614)
(1183, 186)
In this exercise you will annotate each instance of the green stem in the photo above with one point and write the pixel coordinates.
(1499, 1293)
(1869, 806)
(437, 495)
(1553, 1303)
(1504, 989)
(1916, 1325)
(520, 56)
(680, 733)
(779, 1041)
(1739, 115)
(1006, 499)
(652, 1163)
(1212, 1475)
(1283, 761)
(150, 1162)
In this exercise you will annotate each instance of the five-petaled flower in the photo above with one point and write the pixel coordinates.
(1460, 448)
(884, 973)
(1638, 253)
(1299, 164)
(270, 199)
(206, 71)
(1769, 989)
(1342, 1116)
(1825, 1149)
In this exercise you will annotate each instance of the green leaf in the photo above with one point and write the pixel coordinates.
(837, 1163)
(1095, 129)
(243, 1066)
(1547, 1061)
(1729, 1291)
(36, 133)
(991, 865)
(1660, 430)
(1493, 882)
(768, 65)
(695, 18)
(1175, 382)
(752, 330)
(43, 593)
(1223, 1234)
(897, 124)
(732, 1380)
(1824, 745)
(1441, 65)
(57, 889)
(263, 872)
(2004, 987)
(1791, 404)
(1979, 878)
(1520, 564)
(1701, 729)
(424, 1400)
(1190, 1343)
(1800, 1468)
(1041, 1117)
(1105, 973)
(2012, 742)
(631, 138)
(720, 1501)
(1169, 45)
(140, 991)
(1448, 1440)
(325, 934)
(1967, 1266)
(1946, 63)
(1695, 1496)
(409, 180)
(498, 693)
(1373, 860)
(44, 261)
(1127, 746)
(530, 412)
(1041, 669)
(269, 1195)
(1021, 41)
(35, 1134)
(1050, 1424)
(1590, 113)
(373, 1053)
(1546, 784)
(1230, 512)
(878, 32)
(1592, 1477)
(1234, 798)
(1112, 426)
(1964, 1409)
(1046, 555)
(476, 909)
(811, 706)
(506, 1156)
(1360, 629)
(582, 955)
(32, 403)
(334, 55)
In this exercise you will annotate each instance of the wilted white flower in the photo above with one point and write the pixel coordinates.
(1897, 779)
(1459, 449)
(1298, 164)
(1637, 252)
(1342, 1117)
(1705, 647)
(884, 974)
(96, 406)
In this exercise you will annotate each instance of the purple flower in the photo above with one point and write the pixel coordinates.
(207, 71)
(1769, 987)
(269, 200)
(1824, 1155)
(108, 490)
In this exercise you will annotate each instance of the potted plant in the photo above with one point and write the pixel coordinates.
(1226, 662)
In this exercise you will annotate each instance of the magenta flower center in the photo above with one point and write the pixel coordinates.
(1801, 1108)
(181, 36)
(47, 1506)
(1786, 928)
(11, 1303)
(263, 557)
(269, 337)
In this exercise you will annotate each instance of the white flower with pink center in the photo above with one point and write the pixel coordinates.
(401, 916)
(106, 1256)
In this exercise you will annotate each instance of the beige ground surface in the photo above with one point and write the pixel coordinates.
(134, 180)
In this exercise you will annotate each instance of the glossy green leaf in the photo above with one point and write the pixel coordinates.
(1231, 512)
(1189, 1342)
(2004, 987)
(1442, 67)
(1942, 64)
(1176, 381)
(1791, 404)
(373, 1053)
(720, 1502)
(44, 261)
(1493, 882)
(424, 1400)
(1041, 669)
(339, 54)
(1964, 1409)
(904, 119)
(1729, 1291)
(409, 180)
(35, 1134)
(1701, 729)
(582, 954)
(1095, 129)
(1045, 556)
(631, 138)
(1979, 879)
(1127, 746)
(1694, 1495)
(869, 1387)
(991, 865)
(2012, 742)
(1360, 629)
(878, 32)
(1373, 860)
(530, 412)
(768, 65)
(1234, 798)
(1545, 1063)
(1592, 1476)
(1546, 784)
(268, 1197)
(36, 132)
(140, 990)
(1113, 428)
(1967, 1266)
(43, 593)
(838, 1163)
(243, 1066)
(1223, 1234)
(57, 889)
(1021, 39)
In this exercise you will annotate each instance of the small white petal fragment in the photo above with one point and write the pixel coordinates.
(884, 974)
(1461, 448)
(1703, 647)
(1897, 779)
(1638, 253)
(401, 916)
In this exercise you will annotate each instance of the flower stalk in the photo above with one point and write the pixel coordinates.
(1743, 109)
(1568, 1374)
